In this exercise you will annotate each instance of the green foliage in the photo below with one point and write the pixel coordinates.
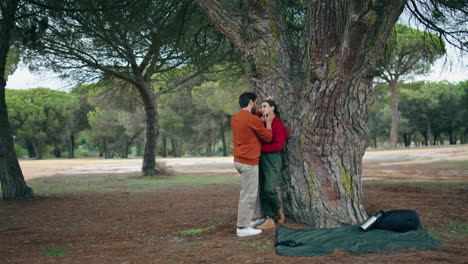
(20, 151)
(379, 120)
(12, 61)
(40, 115)
(220, 92)
(436, 109)
(410, 51)
(118, 117)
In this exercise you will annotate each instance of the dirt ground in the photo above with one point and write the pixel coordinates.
(118, 217)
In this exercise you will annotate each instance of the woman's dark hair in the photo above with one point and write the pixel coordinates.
(245, 98)
(272, 103)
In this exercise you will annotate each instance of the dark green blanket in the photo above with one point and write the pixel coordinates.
(321, 241)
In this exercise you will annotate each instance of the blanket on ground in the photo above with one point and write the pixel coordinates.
(321, 241)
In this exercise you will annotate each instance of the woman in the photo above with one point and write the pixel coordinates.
(271, 163)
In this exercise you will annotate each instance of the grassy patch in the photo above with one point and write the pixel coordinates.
(56, 252)
(456, 231)
(462, 164)
(104, 183)
(195, 231)
(258, 244)
(192, 244)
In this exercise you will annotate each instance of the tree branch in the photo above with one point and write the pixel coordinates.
(428, 23)
(178, 83)
(225, 17)
(90, 62)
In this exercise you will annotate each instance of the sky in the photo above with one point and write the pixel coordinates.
(452, 68)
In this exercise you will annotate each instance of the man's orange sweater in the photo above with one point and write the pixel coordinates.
(247, 131)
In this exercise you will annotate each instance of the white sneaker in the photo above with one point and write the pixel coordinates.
(257, 222)
(248, 231)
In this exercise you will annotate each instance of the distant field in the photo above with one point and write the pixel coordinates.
(447, 163)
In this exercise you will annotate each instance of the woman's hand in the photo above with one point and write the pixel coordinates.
(269, 116)
(271, 112)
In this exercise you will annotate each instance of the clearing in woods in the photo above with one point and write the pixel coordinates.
(101, 211)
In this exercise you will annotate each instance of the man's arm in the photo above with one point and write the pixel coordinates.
(263, 133)
(279, 138)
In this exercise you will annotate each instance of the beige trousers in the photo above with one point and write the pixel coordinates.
(249, 200)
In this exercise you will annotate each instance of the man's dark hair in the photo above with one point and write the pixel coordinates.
(245, 98)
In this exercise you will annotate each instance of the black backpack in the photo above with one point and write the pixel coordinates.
(398, 220)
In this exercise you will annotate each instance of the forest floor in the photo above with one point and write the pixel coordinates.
(102, 211)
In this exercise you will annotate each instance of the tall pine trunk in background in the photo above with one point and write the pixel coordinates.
(71, 146)
(175, 153)
(11, 177)
(395, 113)
(164, 145)
(223, 138)
(323, 89)
(152, 128)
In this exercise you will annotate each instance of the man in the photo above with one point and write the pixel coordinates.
(247, 131)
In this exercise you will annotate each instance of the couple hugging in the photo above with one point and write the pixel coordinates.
(258, 158)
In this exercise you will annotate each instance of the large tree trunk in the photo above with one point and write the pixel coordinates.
(395, 113)
(323, 88)
(152, 129)
(11, 177)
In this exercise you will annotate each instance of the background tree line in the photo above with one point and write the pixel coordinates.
(432, 113)
(106, 118)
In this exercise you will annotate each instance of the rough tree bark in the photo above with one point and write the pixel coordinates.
(11, 177)
(323, 88)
